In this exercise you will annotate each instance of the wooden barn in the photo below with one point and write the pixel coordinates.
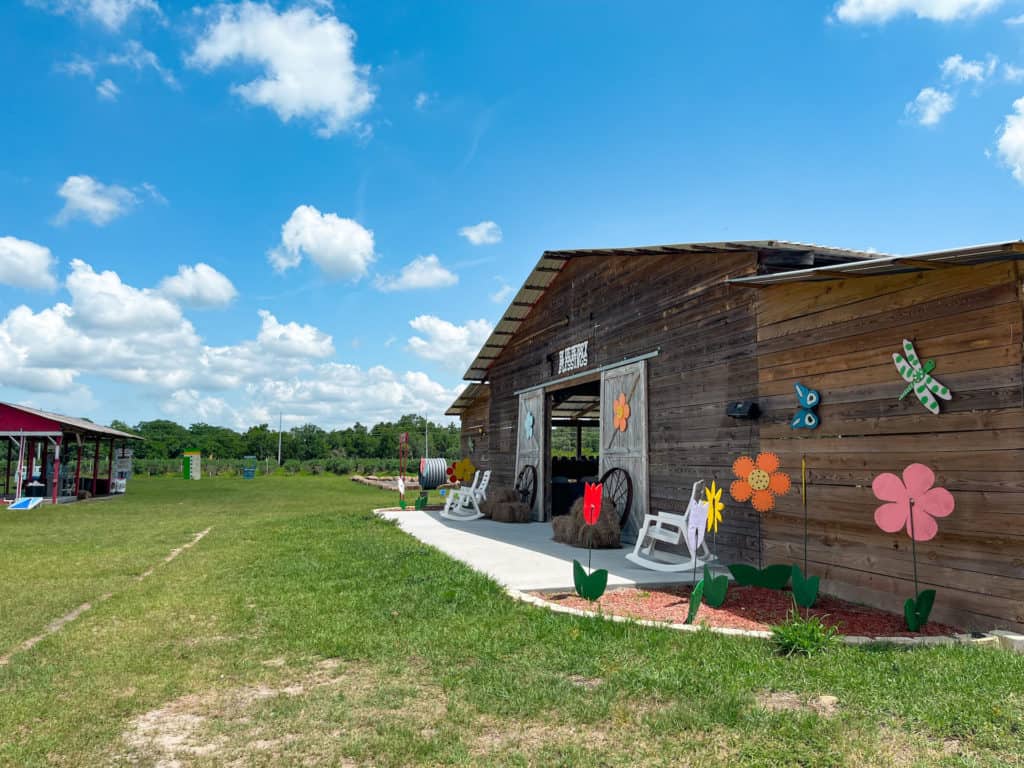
(670, 362)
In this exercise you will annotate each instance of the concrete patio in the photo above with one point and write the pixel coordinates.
(523, 556)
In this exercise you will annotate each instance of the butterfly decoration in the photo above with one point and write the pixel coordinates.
(807, 416)
(919, 379)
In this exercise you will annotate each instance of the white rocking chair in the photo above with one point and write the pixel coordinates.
(671, 529)
(464, 503)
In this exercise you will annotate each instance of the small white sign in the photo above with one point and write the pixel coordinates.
(573, 358)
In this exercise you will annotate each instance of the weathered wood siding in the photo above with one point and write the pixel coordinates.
(475, 425)
(630, 305)
(838, 337)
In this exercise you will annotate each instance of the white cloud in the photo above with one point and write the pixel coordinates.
(958, 70)
(199, 286)
(102, 300)
(1014, 20)
(110, 13)
(339, 394)
(1012, 73)
(292, 339)
(86, 198)
(484, 233)
(24, 264)
(421, 100)
(930, 106)
(881, 11)
(1011, 141)
(421, 272)
(135, 56)
(114, 331)
(307, 60)
(342, 248)
(108, 90)
(189, 406)
(503, 293)
(110, 328)
(453, 345)
(77, 66)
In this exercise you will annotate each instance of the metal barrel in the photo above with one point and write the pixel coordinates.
(433, 473)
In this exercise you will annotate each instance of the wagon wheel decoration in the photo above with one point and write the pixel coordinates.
(526, 485)
(618, 490)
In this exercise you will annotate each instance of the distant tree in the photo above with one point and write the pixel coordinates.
(162, 439)
(308, 442)
(260, 441)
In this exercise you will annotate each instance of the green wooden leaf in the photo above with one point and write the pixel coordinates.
(715, 588)
(910, 615)
(916, 612)
(772, 577)
(401, 503)
(695, 596)
(805, 590)
(589, 587)
(775, 576)
(745, 575)
(421, 501)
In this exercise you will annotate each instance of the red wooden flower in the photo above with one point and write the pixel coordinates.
(592, 502)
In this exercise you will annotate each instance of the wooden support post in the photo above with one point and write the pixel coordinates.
(56, 468)
(95, 466)
(7, 476)
(31, 460)
(110, 468)
(579, 440)
(78, 467)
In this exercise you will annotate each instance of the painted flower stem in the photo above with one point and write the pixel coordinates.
(913, 548)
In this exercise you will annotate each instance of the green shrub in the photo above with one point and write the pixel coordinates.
(806, 636)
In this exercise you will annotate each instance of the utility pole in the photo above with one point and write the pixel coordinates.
(280, 422)
(426, 437)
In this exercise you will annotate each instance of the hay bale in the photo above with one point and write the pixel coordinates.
(510, 512)
(572, 530)
(495, 498)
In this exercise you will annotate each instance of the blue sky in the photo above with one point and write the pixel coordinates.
(216, 212)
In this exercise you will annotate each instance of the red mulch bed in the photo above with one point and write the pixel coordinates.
(747, 608)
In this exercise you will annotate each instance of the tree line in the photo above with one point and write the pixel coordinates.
(164, 439)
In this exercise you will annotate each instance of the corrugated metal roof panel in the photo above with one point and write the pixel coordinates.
(885, 265)
(551, 263)
(81, 425)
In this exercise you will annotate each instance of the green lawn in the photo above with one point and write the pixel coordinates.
(303, 631)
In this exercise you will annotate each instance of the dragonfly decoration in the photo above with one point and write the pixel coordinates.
(919, 379)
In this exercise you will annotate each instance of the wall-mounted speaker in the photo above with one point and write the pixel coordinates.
(743, 409)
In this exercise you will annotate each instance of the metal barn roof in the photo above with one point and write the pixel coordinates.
(69, 423)
(888, 265)
(465, 399)
(775, 255)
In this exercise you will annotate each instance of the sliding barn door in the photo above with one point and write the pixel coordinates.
(624, 440)
(532, 428)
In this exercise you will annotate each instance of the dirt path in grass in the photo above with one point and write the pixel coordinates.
(59, 623)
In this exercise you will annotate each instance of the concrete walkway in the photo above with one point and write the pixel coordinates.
(523, 556)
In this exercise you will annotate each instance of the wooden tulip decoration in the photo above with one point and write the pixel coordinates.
(590, 586)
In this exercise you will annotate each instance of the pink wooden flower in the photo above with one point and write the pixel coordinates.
(913, 495)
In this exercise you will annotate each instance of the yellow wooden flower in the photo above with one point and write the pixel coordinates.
(713, 495)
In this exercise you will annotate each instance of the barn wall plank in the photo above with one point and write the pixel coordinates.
(839, 338)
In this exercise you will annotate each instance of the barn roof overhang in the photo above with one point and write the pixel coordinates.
(892, 265)
(22, 420)
(466, 399)
(773, 256)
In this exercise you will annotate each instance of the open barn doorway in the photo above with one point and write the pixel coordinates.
(574, 437)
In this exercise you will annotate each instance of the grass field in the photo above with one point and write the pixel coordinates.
(303, 631)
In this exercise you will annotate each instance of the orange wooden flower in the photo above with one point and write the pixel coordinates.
(759, 482)
(621, 409)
